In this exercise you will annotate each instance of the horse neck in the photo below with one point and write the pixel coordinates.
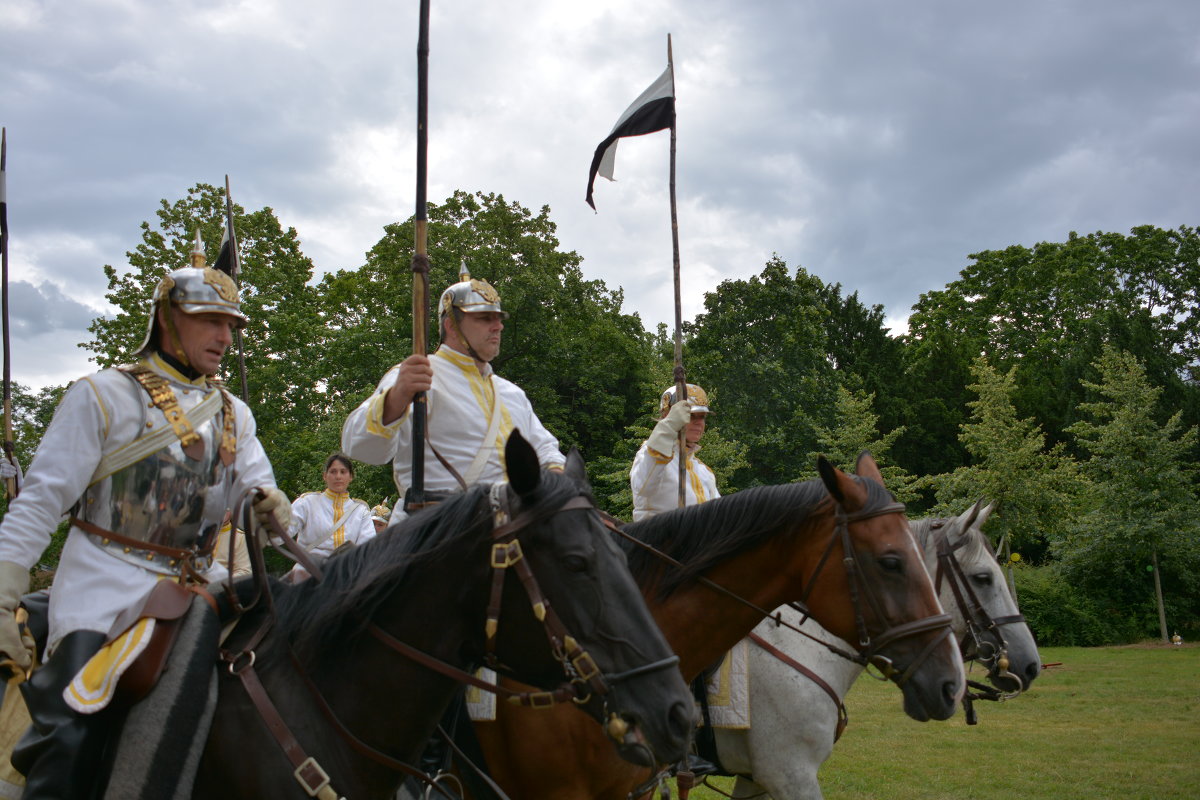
(701, 623)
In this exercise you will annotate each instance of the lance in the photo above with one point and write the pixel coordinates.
(420, 259)
(9, 483)
(235, 272)
(680, 379)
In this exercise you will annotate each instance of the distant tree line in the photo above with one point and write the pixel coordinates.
(1060, 381)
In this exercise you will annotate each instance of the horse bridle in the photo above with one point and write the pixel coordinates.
(976, 617)
(584, 678)
(869, 650)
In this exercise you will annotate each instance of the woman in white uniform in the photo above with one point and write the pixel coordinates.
(324, 521)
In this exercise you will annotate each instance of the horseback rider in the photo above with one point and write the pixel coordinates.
(324, 521)
(147, 458)
(471, 410)
(654, 476)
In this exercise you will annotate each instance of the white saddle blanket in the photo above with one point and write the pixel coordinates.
(481, 705)
(729, 690)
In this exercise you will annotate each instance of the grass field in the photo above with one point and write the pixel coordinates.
(1110, 722)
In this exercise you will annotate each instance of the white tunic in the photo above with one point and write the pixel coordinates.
(99, 414)
(314, 513)
(460, 404)
(654, 479)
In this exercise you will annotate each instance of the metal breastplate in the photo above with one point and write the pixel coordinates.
(166, 499)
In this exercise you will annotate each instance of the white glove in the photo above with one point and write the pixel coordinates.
(14, 582)
(666, 432)
(272, 504)
(10, 469)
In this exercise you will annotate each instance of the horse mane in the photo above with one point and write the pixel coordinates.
(321, 617)
(702, 536)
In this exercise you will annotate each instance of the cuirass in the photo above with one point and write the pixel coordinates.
(165, 499)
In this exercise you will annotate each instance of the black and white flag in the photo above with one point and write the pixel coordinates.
(654, 110)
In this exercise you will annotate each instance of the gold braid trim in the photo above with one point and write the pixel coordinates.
(164, 400)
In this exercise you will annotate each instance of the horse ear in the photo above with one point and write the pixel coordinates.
(969, 517)
(524, 472)
(867, 468)
(829, 475)
(984, 513)
(575, 468)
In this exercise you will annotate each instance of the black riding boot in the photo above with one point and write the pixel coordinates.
(62, 752)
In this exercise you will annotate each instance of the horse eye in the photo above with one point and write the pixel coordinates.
(891, 564)
(575, 563)
(983, 578)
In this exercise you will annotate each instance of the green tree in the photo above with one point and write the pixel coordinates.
(1048, 310)
(856, 428)
(1034, 488)
(1143, 505)
(761, 347)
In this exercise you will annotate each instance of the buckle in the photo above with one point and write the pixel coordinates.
(306, 772)
(585, 666)
(505, 555)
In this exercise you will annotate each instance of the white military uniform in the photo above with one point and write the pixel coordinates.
(99, 415)
(324, 521)
(654, 479)
(469, 418)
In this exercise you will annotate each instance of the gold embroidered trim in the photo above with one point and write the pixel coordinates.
(164, 400)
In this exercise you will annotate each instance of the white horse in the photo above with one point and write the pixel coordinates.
(795, 721)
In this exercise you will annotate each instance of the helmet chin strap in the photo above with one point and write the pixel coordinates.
(457, 330)
(172, 347)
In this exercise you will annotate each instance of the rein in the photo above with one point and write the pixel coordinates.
(584, 677)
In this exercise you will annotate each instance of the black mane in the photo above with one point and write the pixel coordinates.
(322, 617)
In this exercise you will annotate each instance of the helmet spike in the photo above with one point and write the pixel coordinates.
(198, 259)
(463, 274)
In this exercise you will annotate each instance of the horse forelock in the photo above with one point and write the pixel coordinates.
(702, 536)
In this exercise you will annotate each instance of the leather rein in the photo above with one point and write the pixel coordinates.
(584, 678)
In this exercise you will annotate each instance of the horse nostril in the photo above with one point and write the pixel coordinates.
(1032, 671)
(950, 691)
(681, 721)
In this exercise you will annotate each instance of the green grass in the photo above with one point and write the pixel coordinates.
(1110, 722)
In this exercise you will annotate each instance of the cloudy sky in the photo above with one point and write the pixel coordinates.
(875, 143)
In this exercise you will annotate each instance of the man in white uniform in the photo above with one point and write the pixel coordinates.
(471, 410)
(146, 458)
(654, 476)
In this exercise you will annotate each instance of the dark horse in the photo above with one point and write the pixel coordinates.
(840, 544)
(427, 582)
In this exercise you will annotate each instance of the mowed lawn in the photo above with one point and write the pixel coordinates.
(1110, 722)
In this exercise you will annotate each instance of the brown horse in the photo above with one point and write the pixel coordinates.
(770, 546)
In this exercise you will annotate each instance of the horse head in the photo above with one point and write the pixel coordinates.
(610, 644)
(895, 616)
(971, 585)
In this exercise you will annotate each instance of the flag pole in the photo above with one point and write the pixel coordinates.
(10, 484)
(680, 379)
(235, 272)
(420, 260)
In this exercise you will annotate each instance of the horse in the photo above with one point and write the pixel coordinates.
(819, 542)
(439, 588)
(795, 722)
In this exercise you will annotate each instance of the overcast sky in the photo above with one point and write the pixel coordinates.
(876, 144)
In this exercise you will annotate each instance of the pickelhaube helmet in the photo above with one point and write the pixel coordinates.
(197, 289)
(381, 512)
(697, 395)
(469, 295)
